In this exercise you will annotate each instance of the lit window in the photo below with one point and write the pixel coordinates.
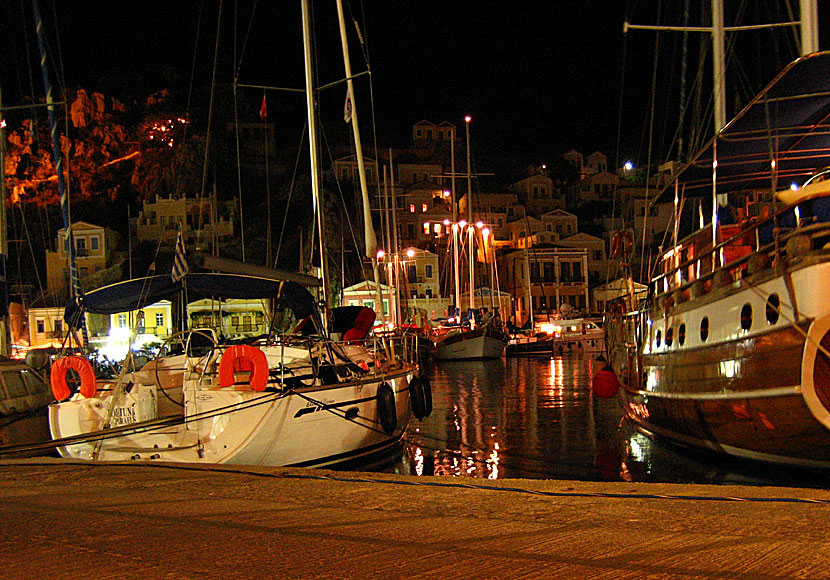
(437, 228)
(424, 207)
(426, 228)
(159, 319)
(411, 208)
(122, 321)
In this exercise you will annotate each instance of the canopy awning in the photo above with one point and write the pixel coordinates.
(788, 123)
(140, 292)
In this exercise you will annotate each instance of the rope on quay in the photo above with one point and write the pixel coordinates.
(415, 481)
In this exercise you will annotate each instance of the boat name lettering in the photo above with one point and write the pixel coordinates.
(124, 415)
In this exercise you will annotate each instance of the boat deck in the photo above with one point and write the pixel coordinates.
(75, 519)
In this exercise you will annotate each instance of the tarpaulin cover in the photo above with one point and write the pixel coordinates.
(788, 122)
(140, 292)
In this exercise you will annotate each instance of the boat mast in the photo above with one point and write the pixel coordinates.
(456, 275)
(467, 120)
(809, 44)
(69, 242)
(369, 237)
(5, 342)
(316, 182)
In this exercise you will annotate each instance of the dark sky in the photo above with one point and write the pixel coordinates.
(539, 77)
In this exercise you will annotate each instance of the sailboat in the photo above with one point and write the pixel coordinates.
(468, 339)
(731, 350)
(314, 391)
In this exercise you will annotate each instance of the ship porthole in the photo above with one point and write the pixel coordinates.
(704, 329)
(773, 309)
(681, 334)
(746, 316)
(659, 338)
(669, 337)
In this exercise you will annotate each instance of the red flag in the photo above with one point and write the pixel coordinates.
(263, 110)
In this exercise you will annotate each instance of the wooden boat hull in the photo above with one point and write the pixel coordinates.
(758, 394)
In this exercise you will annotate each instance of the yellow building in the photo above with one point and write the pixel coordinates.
(94, 247)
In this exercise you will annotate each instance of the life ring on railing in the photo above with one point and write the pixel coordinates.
(387, 411)
(244, 357)
(57, 377)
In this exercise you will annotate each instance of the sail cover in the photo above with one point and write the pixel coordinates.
(788, 123)
(140, 292)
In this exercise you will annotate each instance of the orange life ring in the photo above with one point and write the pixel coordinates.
(244, 357)
(57, 377)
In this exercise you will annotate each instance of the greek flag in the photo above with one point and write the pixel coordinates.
(179, 260)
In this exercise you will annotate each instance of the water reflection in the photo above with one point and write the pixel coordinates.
(536, 418)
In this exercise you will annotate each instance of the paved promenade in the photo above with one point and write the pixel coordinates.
(123, 521)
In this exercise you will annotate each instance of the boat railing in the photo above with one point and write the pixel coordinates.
(760, 245)
(380, 354)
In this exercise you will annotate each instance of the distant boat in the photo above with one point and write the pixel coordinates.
(577, 335)
(487, 341)
(731, 351)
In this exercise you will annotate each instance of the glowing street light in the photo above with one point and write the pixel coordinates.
(381, 254)
(410, 253)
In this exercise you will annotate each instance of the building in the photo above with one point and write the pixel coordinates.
(545, 281)
(200, 220)
(95, 258)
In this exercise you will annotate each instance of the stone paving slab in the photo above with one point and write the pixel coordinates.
(145, 521)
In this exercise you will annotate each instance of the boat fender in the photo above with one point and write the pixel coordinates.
(387, 412)
(427, 387)
(244, 357)
(57, 377)
(416, 398)
(605, 384)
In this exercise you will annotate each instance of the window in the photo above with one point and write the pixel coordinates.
(428, 270)
(681, 334)
(669, 337)
(58, 325)
(746, 316)
(428, 292)
(159, 319)
(659, 338)
(424, 207)
(704, 328)
(426, 228)
(122, 321)
(41, 325)
(93, 243)
(246, 323)
(411, 208)
(412, 273)
(773, 308)
(234, 321)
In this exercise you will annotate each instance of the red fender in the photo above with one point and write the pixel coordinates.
(244, 357)
(605, 384)
(57, 377)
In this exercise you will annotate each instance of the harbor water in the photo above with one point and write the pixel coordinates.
(536, 418)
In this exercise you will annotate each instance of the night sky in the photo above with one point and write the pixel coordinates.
(539, 78)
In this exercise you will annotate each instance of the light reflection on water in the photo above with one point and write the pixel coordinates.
(536, 418)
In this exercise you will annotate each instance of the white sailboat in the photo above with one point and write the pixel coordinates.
(486, 339)
(296, 397)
